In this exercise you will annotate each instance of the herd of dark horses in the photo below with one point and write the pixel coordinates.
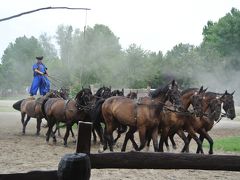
(165, 112)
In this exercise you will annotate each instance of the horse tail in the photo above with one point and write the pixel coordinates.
(97, 111)
(17, 105)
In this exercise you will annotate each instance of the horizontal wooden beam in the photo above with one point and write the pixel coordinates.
(36, 175)
(145, 160)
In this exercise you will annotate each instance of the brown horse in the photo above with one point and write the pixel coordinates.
(68, 111)
(173, 121)
(122, 129)
(33, 109)
(190, 96)
(143, 116)
(212, 111)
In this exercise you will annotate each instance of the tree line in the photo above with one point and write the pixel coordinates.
(95, 56)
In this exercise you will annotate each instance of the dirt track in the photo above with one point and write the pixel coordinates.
(22, 153)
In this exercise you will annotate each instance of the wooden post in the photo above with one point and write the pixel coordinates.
(84, 137)
(78, 166)
(74, 166)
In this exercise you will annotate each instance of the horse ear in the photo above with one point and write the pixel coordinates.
(226, 92)
(173, 82)
(233, 92)
(205, 90)
(201, 89)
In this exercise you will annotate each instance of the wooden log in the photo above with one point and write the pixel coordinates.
(36, 175)
(144, 160)
(84, 137)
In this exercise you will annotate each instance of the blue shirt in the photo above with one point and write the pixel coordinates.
(41, 67)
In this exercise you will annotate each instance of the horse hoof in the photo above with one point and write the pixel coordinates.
(101, 150)
(174, 147)
(210, 152)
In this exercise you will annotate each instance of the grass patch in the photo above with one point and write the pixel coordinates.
(230, 144)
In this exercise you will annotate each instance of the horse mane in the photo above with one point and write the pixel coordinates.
(158, 91)
(188, 90)
(99, 91)
(80, 93)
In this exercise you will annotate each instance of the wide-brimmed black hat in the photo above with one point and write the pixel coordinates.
(39, 57)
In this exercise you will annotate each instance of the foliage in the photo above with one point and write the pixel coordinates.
(224, 36)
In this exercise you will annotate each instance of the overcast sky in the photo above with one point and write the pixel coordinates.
(153, 24)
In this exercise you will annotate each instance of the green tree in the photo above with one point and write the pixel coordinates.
(49, 50)
(64, 40)
(224, 36)
(17, 62)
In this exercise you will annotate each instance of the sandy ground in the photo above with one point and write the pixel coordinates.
(23, 153)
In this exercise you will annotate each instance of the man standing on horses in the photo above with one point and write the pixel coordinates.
(40, 80)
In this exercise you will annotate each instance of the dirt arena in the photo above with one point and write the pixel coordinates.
(23, 153)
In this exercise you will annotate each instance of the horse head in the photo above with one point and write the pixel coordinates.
(106, 93)
(132, 95)
(84, 98)
(197, 101)
(175, 95)
(215, 106)
(228, 104)
(168, 93)
(117, 92)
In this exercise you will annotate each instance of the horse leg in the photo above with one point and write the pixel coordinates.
(185, 139)
(25, 124)
(201, 137)
(171, 137)
(23, 117)
(94, 135)
(58, 129)
(104, 139)
(39, 121)
(142, 137)
(51, 123)
(68, 128)
(210, 140)
(121, 129)
(155, 138)
(99, 130)
(194, 136)
(163, 138)
(129, 135)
